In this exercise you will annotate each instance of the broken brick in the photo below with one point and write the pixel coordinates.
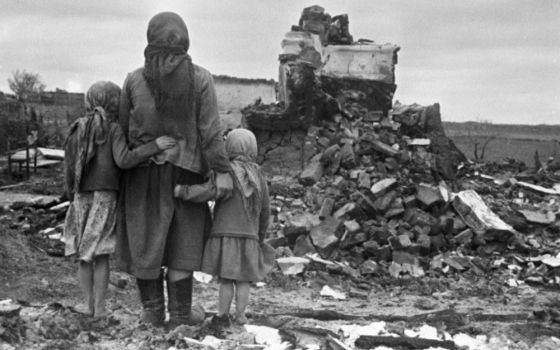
(415, 216)
(400, 242)
(312, 172)
(352, 226)
(345, 209)
(428, 195)
(409, 201)
(303, 246)
(438, 241)
(368, 267)
(378, 253)
(347, 157)
(353, 240)
(402, 257)
(365, 203)
(464, 237)
(326, 208)
(380, 235)
(383, 203)
(364, 180)
(384, 185)
(425, 243)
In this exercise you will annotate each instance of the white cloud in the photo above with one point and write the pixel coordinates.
(74, 86)
(496, 58)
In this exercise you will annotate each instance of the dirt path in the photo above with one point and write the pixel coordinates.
(502, 317)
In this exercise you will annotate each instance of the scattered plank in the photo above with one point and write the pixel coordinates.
(551, 191)
(51, 153)
(451, 318)
(7, 187)
(371, 342)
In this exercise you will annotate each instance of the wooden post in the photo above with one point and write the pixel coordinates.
(27, 154)
(9, 157)
(35, 160)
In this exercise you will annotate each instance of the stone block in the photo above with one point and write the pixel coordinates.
(384, 148)
(277, 242)
(393, 212)
(428, 195)
(443, 226)
(458, 224)
(331, 159)
(376, 252)
(538, 217)
(312, 172)
(476, 214)
(464, 237)
(352, 226)
(324, 235)
(365, 203)
(414, 249)
(380, 235)
(438, 242)
(298, 224)
(384, 201)
(415, 216)
(400, 242)
(345, 209)
(347, 156)
(326, 208)
(303, 246)
(410, 201)
(368, 267)
(425, 243)
(402, 257)
(364, 180)
(292, 265)
(353, 240)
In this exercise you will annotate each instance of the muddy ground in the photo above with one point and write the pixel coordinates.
(520, 317)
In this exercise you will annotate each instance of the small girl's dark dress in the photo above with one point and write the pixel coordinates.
(235, 249)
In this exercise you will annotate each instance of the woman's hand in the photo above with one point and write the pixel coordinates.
(224, 185)
(177, 191)
(165, 142)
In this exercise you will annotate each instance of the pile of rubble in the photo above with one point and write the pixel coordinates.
(360, 184)
(379, 199)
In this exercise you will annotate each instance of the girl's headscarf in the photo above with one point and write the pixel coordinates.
(102, 104)
(241, 146)
(168, 69)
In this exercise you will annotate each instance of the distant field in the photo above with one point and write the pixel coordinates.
(515, 141)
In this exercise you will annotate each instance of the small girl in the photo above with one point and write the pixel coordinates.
(235, 251)
(94, 151)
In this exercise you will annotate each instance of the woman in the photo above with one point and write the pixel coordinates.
(168, 96)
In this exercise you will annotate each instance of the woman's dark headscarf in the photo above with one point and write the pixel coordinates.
(168, 68)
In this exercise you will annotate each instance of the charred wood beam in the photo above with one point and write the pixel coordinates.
(371, 342)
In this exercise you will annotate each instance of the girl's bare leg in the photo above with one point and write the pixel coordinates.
(85, 277)
(241, 301)
(100, 282)
(226, 296)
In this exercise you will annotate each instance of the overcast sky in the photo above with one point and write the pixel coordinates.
(496, 60)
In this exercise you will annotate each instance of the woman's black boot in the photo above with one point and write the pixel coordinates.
(151, 295)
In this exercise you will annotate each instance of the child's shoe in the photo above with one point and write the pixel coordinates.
(241, 319)
(222, 321)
